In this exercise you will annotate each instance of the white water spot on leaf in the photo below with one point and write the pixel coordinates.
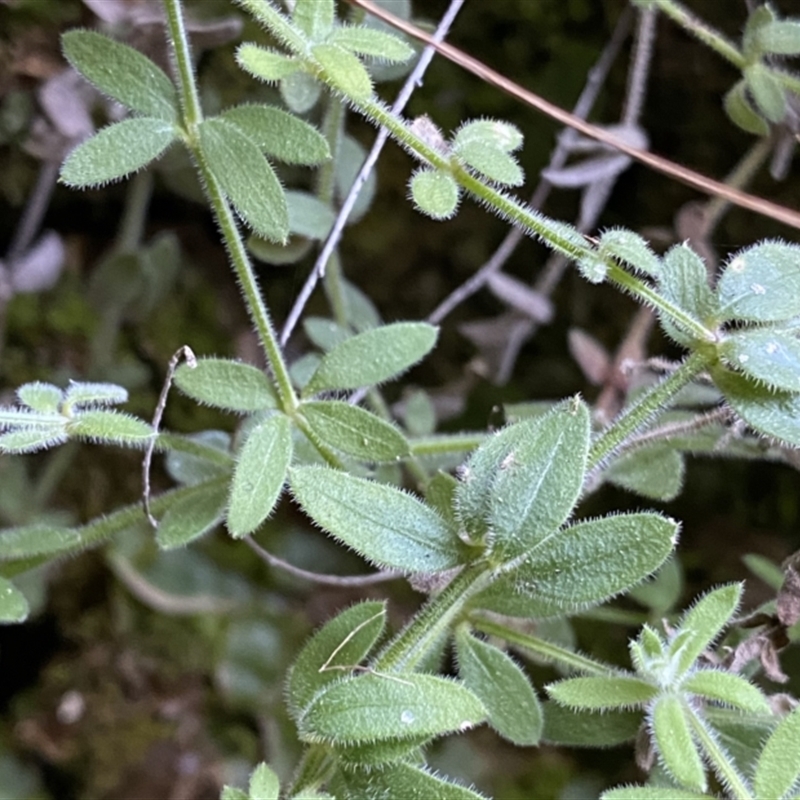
(407, 717)
(772, 348)
(737, 265)
(757, 288)
(743, 358)
(465, 726)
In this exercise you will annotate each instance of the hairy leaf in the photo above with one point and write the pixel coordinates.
(13, 605)
(684, 281)
(259, 475)
(42, 397)
(769, 355)
(122, 73)
(565, 726)
(778, 767)
(226, 384)
(343, 71)
(435, 193)
(370, 42)
(116, 151)
(264, 784)
(192, 516)
(265, 64)
(675, 743)
(630, 248)
(597, 693)
(403, 782)
(383, 524)
(655, 472)
(725, 687)
(110, 426)
(336, 649)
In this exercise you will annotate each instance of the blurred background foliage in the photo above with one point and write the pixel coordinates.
(165, 679)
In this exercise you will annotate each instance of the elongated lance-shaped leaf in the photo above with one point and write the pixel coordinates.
(404, 781)
(227, 384)
(354, 431)
(336, 649)
(655, 472)
(632, 249)
(246, 177)
(503, 688)
(80, 394)
(371, 42)
(280, 134)
(373, 708)
(491, 162)
(595, 693)
(314, 17)
(489, 132)
(581, 567)
(727, 688)
(673, 739)
(379, 754)
(766, 90)
(191, 517)
(265, 64)
(540, 479)
(778, 768)
(13, 605)
(767, 411)
(684, 281)
(761, 283)
(769, 355)
(112, 427)
(781, 37)
(259, 475)
(122, 73)
(652, 793)
(116, 151)
(343, 71)
(373, 356)
(704, 621)
(308, 215)
(31, 440)
(565, 726)
(385, 525)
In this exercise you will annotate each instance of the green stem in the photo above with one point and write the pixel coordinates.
(444, 444)
(721, 762)
(312, 771)
(541, 647)
(137, 201)
(646, 408)
(412, 644)
(225, 219)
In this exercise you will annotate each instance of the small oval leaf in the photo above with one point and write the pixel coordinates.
(370, 42)
(227, 384)
(343, 71)
(769, 355)
(13, 605)
(435, 193)
(259, 475)
(116, 151)
(192, 515)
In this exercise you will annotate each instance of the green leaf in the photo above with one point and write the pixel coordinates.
(110, 426)
(308, 215)
(490, 161)
(673, 738)
(28, 541)
(42, 397)
(403, 782)
(662, 593)
(727, 688)
(265, 64)
(325, 333)
(778, 767)
(190, 469)
(372, 708)
(652, 793)
(259, 475)
(419, 413)
(655, 472)
(226, 384)
(761, 283)
(539, 479)
(435, 193)
(385, 525)
(232, 793)
(314, 17)
(767, 354)
(80, 394)
(122, 73)
(13, 605)
(192, 516)
(354, 431)
(684, 281)
(264, 784)
(582, 566)
(630, 248)
(373, 357)
(371, 42)
(781, 37)
(593, 268)
(300, 91)
(502, 687)
(350, 158)
(705, 620)
(246, 177)
(757, 18)
(30, 441)
(280, 134)
(379, 754)
(492, 133)
(570, 728)
(738, 107)
(606, 692)
(336, 649)
(116, 151)
(767, 91)
(767, 411)
(343, 71)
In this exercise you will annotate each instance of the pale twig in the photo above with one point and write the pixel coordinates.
(414, 79)
(594, 83)
(696, 180)
(186, 353)
(341, 581)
